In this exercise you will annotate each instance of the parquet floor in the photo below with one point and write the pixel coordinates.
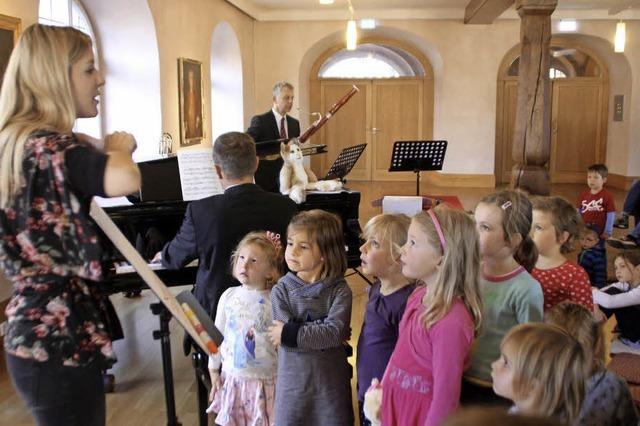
(139, 396)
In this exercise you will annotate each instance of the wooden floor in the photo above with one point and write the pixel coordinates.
(139, 396)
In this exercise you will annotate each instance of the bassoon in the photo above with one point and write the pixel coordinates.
(321, 122)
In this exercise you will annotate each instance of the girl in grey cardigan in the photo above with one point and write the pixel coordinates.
(311, 312)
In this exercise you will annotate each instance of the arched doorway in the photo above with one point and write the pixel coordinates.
(579, 88)
(395, 102)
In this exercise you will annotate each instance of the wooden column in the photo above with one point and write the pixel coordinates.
(531, 139)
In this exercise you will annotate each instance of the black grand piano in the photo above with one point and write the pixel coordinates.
(154, 216)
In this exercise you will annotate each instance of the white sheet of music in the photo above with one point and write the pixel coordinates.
(197, 175)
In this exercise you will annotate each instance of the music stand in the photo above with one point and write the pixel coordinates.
(416, 156)
(345, 162)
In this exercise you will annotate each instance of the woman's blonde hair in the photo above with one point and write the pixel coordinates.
(36, 95)
(565, 218)
(272, 251)
(516, 220)
(550, 369)
(324, 229)
(460, 268)
(391, 230)
(580, 323)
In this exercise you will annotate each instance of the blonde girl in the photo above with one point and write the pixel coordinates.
(312, 314)
(555, 229)
(622, 298)
(543, 370)
(244, 392)
(384, 237)
(607, 400)
(56, 339)
(511, 296)
(422, 382)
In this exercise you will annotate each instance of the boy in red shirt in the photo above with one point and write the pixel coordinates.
(596, 204)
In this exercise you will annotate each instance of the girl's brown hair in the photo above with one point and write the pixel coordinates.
(580, 323)
(516, 220)
(325, 229)
(630, 257)
(550, 369)
(460, 267)
(272, 250)
(565, 218)
(391, 229)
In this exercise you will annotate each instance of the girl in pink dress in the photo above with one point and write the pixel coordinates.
(244, 393)
(421, 385)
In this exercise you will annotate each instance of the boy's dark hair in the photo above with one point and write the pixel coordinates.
(600, 169)
(592, 227)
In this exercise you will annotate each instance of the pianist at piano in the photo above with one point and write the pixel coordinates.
(272, 125)
(213, 226)
(57, 338)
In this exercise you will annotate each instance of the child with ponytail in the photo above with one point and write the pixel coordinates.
(510, 294)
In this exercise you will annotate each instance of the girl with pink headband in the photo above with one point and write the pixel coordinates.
(421, 384)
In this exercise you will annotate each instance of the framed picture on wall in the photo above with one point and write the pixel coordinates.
(191, 98)
(9, 32)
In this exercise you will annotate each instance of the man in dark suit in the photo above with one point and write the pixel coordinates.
(213, 226)
(272, 125)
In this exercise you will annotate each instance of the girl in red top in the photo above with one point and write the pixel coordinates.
(556, 226)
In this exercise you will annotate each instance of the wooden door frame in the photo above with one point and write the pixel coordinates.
(508, 59)
(428, 82)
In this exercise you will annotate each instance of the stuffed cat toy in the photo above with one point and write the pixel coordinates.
(296, 178)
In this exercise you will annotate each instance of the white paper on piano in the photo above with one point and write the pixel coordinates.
(409, 205)
(155, 284)
(198, 178)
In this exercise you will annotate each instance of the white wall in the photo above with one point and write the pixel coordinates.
(465, 59)
(185, 28)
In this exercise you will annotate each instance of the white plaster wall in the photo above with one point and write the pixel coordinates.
(185, 28)
(26, 10)
(465, 60)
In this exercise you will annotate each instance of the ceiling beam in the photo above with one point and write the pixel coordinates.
(485, 11)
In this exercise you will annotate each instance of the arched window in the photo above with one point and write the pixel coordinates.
(565, 63)
(226, 81)
(70, 13)
(371, 61)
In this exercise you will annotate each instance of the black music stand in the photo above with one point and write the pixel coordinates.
(345, 162)
(417, 156)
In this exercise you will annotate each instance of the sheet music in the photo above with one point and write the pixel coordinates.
(198, 178)
(112, 202)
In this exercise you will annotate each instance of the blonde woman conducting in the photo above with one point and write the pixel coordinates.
(57, 338)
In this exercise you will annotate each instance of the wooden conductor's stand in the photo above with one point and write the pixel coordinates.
(417, 156)
(184, 308)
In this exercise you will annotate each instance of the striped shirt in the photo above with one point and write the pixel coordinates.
(317, 316)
